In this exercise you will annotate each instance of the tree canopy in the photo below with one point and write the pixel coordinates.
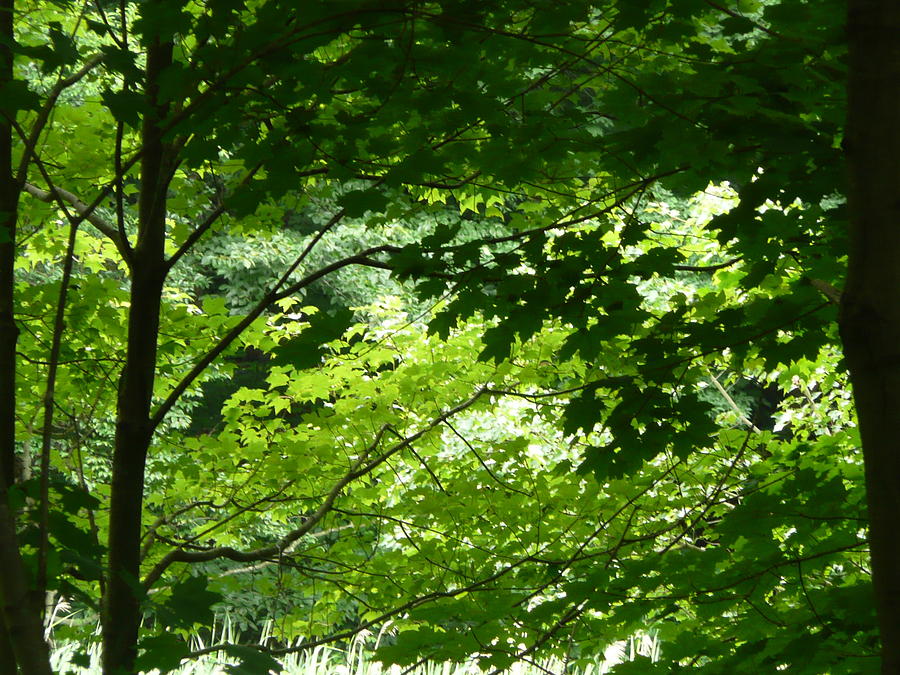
(511, 329)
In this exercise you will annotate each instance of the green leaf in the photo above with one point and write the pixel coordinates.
(163, 652)
(70, 535)
(162, 21)
(306, 350)
(632, 14)
(359, 202)
(583, 411)
(252, 661)
(126, 106)
(75, 498)
(15, 95)
(90, 568)
(498, 343)
(189, 603)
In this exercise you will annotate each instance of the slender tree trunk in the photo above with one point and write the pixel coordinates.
(21, 631)
(7, 656)
(23, 623)
(9, 332)
(9, 206)
(121, 611)
(870, 312)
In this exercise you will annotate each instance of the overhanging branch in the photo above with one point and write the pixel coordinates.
(360, 468)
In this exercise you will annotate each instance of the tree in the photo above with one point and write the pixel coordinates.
(869, 321)
(139, 131)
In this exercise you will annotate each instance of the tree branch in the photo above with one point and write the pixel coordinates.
(378, 620)
(289, 549)
(734, 406)
(150, 535)
(44, 114)
(708, 268)
(208, 222)
(826, 289)
(270, 297)
(360, 468)
(86, 212)
(59, 326)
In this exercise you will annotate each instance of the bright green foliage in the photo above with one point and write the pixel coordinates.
(553, 359)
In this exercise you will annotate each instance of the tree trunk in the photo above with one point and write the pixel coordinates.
(24, 630)
(7, 656)
(870, 311)
(121, 609)
(121, 616)
(22, 642)
(9, 206)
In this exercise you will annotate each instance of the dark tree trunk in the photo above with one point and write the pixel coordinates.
(121, 610)
(870, 311)
(7, 656)
(9, 206)
(22, 642)
(22, 620)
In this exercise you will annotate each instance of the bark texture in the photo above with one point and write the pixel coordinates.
(9, 205)
(22, 642)
(22, 620)
(121, 610)
(870, 311)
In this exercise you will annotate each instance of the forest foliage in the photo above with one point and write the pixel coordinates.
(509, 326)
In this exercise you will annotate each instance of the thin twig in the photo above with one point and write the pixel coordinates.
(734, 406)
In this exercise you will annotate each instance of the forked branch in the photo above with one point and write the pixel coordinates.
(361, 467)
